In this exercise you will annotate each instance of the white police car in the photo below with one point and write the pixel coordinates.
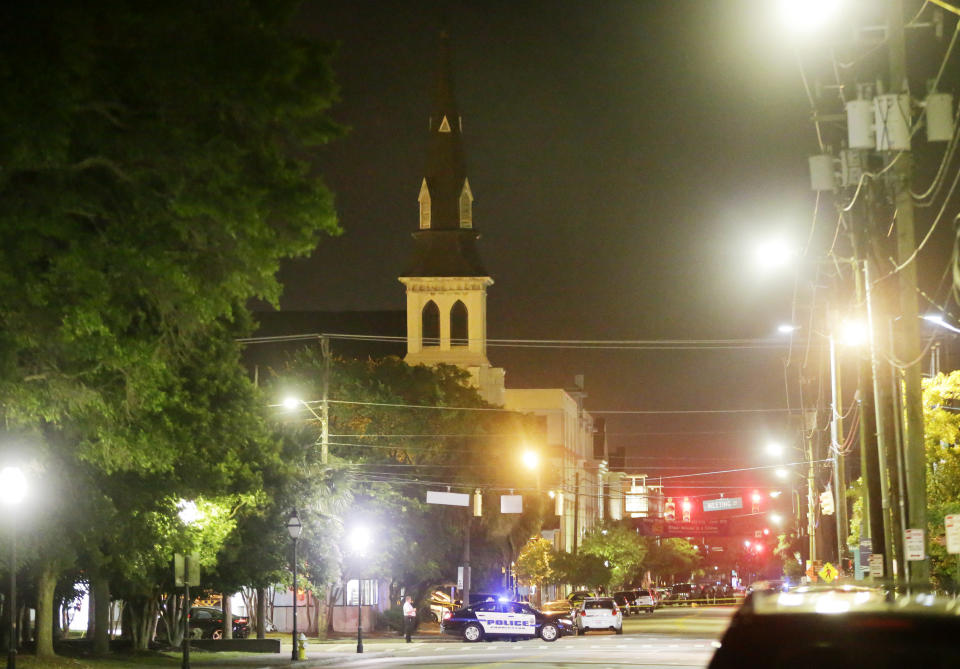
(504, 619)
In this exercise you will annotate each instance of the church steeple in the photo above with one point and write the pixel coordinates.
(446, 282)
(445, 243)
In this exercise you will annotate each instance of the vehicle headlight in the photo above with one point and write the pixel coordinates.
(566, 621)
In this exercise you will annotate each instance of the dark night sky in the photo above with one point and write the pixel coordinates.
(623, 156)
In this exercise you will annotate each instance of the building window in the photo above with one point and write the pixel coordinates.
(348, 594)
(466, 206)
(459, 325)
(430, 330)
(424, 200)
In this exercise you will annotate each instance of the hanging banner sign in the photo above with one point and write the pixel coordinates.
(448, 498)
(657, 527)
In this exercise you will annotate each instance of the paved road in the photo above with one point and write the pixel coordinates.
(669, 638)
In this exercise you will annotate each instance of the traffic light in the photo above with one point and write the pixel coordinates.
(756, 503)
(686, 510)
(826, 502)
(669, 510)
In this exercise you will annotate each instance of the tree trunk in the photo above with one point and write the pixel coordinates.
(46, 585)
(227, 607)
(100, 596)
(261, 613)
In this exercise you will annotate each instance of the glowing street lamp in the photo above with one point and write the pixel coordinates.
(531, 460)
(807, 16)
(781, 473)
(775, 449)
(937, 319)
(776, 519)
(359, 541)
(291, 403)
(13, 488)
(773, 254)
(294, 528)
(786, 328)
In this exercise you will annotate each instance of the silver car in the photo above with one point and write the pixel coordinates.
(598, 613)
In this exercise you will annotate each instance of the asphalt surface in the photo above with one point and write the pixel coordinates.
(673, 637)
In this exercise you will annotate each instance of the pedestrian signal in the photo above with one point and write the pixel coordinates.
(826, 502)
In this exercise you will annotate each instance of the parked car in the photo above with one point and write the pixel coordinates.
(206, 622)
(598, 613)
(579, 596)
(439, 603)
(558, 606)
(498, 619)
(842, 627)
(645, 601)
(626, 599)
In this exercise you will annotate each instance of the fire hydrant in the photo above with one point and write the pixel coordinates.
(302, 646)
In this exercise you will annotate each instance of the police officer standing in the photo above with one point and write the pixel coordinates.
(409, 617)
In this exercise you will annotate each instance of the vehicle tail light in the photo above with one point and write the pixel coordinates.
(615, 610)
(447, 615)
(241, 621)
(583, 613)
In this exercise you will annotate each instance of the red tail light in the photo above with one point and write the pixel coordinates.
(615, 610)
(447, 615)
(240, 621)
(583, 613)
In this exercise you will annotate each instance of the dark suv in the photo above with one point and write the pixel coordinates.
(206, 622)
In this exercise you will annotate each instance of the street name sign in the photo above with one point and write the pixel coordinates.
(876, 565)
(448, 498)
(952, 525)
(913, 544)
(723, 504)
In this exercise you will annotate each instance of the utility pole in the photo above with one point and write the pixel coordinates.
(907, 346)
(836, 434)
(325, 407)
(873, 510)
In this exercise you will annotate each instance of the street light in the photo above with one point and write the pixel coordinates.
(781, 473)
(13, 488)
(189, 514)
(531, 460)
(775, 449)
(294, 527)
(937, 319)
(773, 254)
(806, 16)
(359, 539)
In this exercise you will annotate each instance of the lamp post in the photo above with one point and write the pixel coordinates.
(359, 542)
(294, 527)
(531, 460)
(13, 488)
(189, 514)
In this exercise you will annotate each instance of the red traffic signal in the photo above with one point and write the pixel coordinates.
(756, 503)
(670, 510)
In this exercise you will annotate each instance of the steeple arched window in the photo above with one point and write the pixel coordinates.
(459, 322)
(466, 206)
(430, 321)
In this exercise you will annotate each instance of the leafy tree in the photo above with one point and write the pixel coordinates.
(942, 439)
(621, 547)
(671, 559)
(155, 173)
(534, 564)
(581, 569)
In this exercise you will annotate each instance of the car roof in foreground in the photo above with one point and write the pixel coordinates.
(849, 599)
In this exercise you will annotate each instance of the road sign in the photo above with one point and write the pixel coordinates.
(913, 544)
(460, 577)
(448, 498)
(511, 503)
(952, 525)
(828, 573)
(866, 550)
(723, 504)
(192, 569)
(876, 565)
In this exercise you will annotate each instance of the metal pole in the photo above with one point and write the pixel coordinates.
(466, 560)
(359, 616)
(839, 472)
(12, 604)
(294, 655)
(185, 663)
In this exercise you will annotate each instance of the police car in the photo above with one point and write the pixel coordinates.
(499, 619)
